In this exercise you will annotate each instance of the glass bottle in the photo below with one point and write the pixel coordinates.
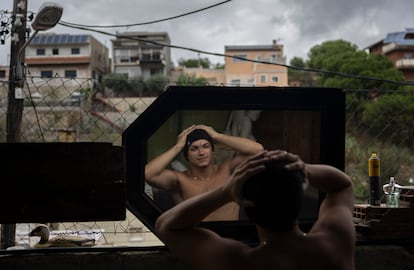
(392, 193)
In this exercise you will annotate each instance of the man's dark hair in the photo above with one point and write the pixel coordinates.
(195, 135)
(277, 194)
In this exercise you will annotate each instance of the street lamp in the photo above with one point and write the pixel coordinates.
(48, 16)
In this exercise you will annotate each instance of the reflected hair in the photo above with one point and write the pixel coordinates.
(277, 195)
(195, 135)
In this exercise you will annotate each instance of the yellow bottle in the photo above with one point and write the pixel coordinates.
(374, 179)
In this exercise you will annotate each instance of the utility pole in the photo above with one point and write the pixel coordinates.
(15, 97)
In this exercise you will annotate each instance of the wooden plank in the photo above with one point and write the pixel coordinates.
(381, 222)
(62, 182)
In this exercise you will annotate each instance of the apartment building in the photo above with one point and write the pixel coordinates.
(399, 48)
(4, 74)
(141, 54)
(69, 56)
(4, 83)
(241, 72)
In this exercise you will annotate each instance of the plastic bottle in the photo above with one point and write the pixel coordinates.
(374, 180)
(392, 193)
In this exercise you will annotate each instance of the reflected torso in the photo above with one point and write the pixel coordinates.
(190, 186)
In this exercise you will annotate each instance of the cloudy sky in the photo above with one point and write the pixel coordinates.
(297, 24)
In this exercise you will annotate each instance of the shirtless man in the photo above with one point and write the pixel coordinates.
(197, 144)
(330, 243)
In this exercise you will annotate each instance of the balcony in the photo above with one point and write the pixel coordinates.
(151, 58)
(404, 64)
(141, 59)
(388, 47)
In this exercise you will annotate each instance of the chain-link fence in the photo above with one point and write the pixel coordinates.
(69, 110)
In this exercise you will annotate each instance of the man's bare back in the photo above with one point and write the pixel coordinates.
(330, 243)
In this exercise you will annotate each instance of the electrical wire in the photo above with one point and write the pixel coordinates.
(320, 71)
(146, 23)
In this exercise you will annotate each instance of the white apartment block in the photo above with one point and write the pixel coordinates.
(141, 54)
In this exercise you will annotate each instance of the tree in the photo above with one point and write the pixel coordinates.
(151, 87)
(343, 57)
(195, 63)
(118, 83)
(297, 74)
(297, 62)
(391, 119)
(191, 80)
(219, 66)
(155, 85)
(122, 86)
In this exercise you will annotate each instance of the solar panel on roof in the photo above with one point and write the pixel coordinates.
(49, 40)
(34, 40)
(59, 39)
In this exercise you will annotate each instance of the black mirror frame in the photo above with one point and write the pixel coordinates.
(329, 101)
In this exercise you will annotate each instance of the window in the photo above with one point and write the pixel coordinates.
(75, 51)
(235, 82)
(40, 51)
(46, 74)
(262, 78)
(408, 55)
(70, 73)
(156, 55)
(156, 71)
(238, 56)
(55, 51)
(274, 79)
(2, 74)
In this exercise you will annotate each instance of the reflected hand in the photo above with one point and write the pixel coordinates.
(211, 131)
(182, 137)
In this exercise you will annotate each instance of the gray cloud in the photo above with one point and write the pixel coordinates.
(298, 24)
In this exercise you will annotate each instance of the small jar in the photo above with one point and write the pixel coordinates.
(392, 193)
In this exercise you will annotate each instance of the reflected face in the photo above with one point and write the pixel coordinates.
(200, 153)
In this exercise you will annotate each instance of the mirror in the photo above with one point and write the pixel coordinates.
(307, 121)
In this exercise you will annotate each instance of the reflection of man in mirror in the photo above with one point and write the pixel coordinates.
(197, 145)
(270, 185)
(240, 123)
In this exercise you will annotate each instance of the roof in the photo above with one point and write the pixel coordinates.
(401, 38)
(252, 47)
(59, 39)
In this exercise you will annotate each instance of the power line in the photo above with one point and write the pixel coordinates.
(145, 23)
(248, 60)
